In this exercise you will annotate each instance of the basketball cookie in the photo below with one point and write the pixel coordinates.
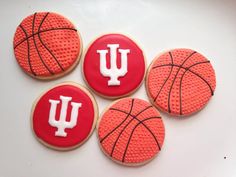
(64, 117)
(131, 132)
(47, 45)
(114, 66)
(180, 82)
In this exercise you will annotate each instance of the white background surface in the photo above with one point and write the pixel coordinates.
(194, 147)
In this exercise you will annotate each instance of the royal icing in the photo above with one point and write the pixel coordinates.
(61, 123)
(114, 72)
(46, 45)
(131, 131)
(64, 116)
(180, 81)
(114, 65)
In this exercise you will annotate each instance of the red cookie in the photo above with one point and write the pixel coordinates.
(47, 45)
(131, 131)
(64, 117)
(180, 82)
(114, 66)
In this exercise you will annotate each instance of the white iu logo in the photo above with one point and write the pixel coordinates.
(113, 72)
(62, 124)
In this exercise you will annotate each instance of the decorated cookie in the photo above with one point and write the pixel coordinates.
(114, 66)
(131, 132)
(47, 45)
(64, 117)
(180, 82)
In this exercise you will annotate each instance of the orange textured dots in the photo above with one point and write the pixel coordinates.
(131, 131)
(47, 45)
(180, 82)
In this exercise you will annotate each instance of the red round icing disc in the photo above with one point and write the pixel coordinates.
(131, 131)
(114, 66)
(64, 116)
(180, 82)
(47, 45)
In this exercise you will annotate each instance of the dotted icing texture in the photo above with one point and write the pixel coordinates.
(46, 44)
(131, 131)
(180, 81)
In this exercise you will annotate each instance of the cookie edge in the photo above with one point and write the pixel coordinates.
(117, 161)
(151, 99)
(95, 119)
(113, 97)
(59, 75)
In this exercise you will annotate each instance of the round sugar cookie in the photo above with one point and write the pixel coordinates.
(114, 66)
(131, 131)
(64, 117)
(180, 81)
(47, 45)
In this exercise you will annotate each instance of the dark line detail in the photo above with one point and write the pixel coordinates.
(180, 86)
(123, 120)
(211, 90)
(45, 45)
(37, 47)
(43, 31)
(114, 145)
(135, 118)
(171, 57)
(119, 124)
(159, 66)
(169, 109)
(127, 115)
(136, 126)
(130, 114)
(28, 46)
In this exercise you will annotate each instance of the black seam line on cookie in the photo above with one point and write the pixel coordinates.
(169, 109)
(127, 115)
(37, 47)
(114, 145)
(28, 49)
(43, 31)
(159, 66)
(123, 122)
(135, 118)
(119, 124)
(40, 39)
(136, 126)
(180, 86)
(186, 68)
(171, 57)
